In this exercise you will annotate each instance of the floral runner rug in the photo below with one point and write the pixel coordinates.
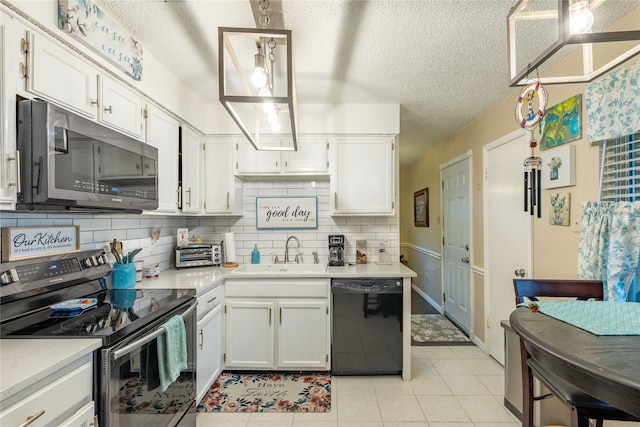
(435, 329)
(282, 392)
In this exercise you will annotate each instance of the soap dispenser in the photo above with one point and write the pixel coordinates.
(255, 255)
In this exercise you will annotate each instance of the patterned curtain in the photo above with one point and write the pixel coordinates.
(609, 247)
(613, 104)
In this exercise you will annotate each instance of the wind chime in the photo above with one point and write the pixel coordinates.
(532, 165)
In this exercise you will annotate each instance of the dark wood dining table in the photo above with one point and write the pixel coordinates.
(605, 367)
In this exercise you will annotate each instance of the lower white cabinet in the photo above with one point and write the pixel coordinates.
(64, 401)
(210, 340)
(277, 325)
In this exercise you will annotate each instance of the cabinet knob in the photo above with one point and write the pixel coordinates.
(108, 109)
(93, 101)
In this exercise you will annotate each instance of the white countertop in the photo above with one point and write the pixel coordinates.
(24, 362)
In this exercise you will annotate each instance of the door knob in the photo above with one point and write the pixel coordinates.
(519, 273)
(465, 260)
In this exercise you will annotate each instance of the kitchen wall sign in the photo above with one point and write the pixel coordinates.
(86, 22)
(286, 212)
(30, 242)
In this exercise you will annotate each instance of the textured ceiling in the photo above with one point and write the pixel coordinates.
(443, 61)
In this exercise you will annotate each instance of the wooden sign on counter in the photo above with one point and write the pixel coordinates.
(31, 242)
(286, 212)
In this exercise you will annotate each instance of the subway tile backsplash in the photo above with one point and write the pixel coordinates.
(135, 230)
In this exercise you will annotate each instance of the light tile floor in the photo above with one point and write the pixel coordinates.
(452, 386)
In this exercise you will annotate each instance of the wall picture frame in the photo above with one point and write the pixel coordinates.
(20, 243)
(561, 123)
(286, 212)
(421, 208)
(559, 167)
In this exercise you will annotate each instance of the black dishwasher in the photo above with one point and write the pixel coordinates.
(366, 331)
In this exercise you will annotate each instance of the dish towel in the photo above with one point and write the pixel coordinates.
(172, 351)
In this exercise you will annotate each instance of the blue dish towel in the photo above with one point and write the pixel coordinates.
(172, 351)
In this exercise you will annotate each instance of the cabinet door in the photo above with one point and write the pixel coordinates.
(57, 75)
(85, 417)
(252, 161)
(223, 192)
(120, 107)
(311, 157)
(191, 166)
(302, 335)
(249, 334)
(163, 133)
(210, 335)
(362, 180)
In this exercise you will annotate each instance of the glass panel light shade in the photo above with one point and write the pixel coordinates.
(265, 114)
(544, 42)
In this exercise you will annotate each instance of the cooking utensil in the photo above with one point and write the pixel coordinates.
(133, 253)
(115, 253)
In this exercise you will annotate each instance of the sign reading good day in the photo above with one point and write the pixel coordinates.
(30, 242)
(286, 212)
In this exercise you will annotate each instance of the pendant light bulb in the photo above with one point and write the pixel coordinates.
(268, 106)
(259, 76)
(580, 17)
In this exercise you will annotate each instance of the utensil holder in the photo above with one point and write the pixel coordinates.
(123, 276)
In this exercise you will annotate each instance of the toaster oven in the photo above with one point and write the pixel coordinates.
(199, 255)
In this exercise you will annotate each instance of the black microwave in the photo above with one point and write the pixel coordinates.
(70, 163)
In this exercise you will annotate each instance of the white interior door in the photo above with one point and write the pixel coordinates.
(457, 240)
(507, 232)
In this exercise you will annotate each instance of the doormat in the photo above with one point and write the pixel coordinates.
(435, 329)
(285, 392)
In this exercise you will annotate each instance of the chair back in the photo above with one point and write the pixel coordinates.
(578, 289)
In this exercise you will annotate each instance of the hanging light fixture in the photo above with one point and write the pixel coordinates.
(598, 34)
(265, 110)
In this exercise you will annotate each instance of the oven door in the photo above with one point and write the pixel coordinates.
(130, 393)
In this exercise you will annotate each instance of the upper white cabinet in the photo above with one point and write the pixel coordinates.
(57, 75)
(163, 132)
(120, 107)
(362, 175)
(223, 191)
(191, 167)
(311, 158)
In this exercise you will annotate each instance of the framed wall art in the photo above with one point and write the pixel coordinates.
(31, 242)
(562, 123)
(559, 208)
(559, 167)
(421, 208)
(286, 212)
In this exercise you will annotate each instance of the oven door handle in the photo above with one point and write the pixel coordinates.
(147, 338)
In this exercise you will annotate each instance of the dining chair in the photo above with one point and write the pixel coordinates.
(583, 407)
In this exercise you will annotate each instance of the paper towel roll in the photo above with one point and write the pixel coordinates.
(229, 248)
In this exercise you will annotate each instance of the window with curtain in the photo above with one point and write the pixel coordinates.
(620, 169)
(620, 179)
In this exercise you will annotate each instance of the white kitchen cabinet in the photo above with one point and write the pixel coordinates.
(163, 133)
(191, 157)
(11, 32)
(302, 334)
(84, 417)
(362, 175)
(66, 399)
(210, 339)
(121, 108)
(311, 158)
(56, 74)
(277, 324)
(255, 162)
(223, 191)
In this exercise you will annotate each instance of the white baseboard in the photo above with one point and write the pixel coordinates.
(427, 298)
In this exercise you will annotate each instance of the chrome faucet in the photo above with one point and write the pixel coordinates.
(286, 249)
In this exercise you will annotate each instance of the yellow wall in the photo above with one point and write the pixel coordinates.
(555, 248)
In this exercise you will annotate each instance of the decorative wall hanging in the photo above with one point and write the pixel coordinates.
(286, 212)
(613, 104)
(421, 208)
(86, 22)
(558, 167)
(562, 123)
(529, 121)
(560, 208)
(31, 242)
